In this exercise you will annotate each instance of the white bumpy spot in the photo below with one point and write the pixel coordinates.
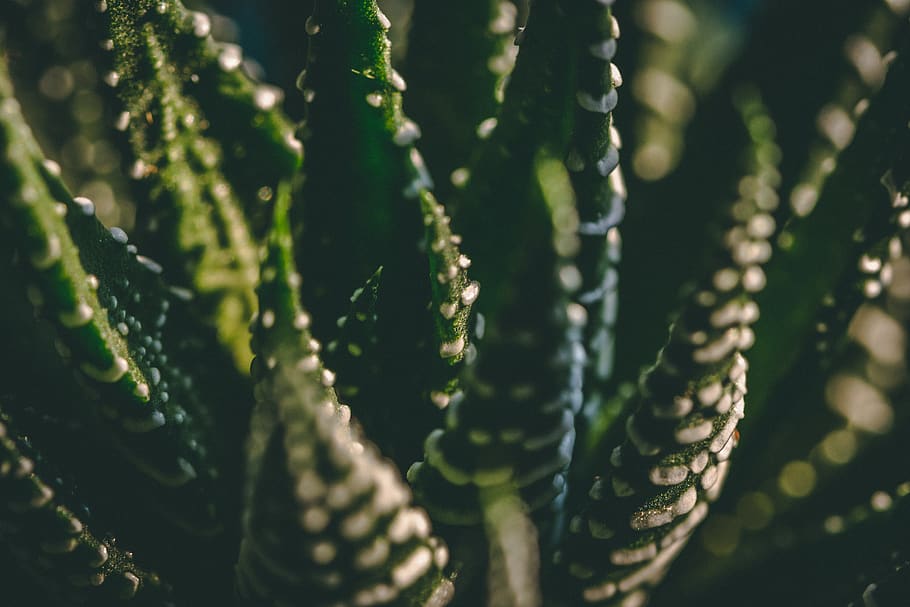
(596, 594)
(414, 566)
(373, 555)
(202, 25)
(668, 475)
(77, 317)
(407, 133)
(630, 556)
(117, 369)
(266, 97)
(452, 348)
(230, 58)
(470, 293)
(49, 256)
(656, 517)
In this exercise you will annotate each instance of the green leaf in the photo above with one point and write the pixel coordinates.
(458, 80)
(513, 428)
(813, 254)
(244, 116)
(328, 519)
(522, 436)
(842, 401)
(353, 352)
(591, 275)
(495, 211)
(55, 545)
(111, 311)
(656, 486)
(384, 214)
(190, 112)
(354, 119)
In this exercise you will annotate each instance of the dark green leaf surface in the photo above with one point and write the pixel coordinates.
(111, 311)
(384, 214)
(815, 245)
(482, 346)
(56, 546)
(188, 108)
(656, 487)
(328, 519)
(458, 80)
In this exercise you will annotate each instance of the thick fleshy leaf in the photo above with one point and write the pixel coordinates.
(515, 426)
(54, 544)
(190, 112)
(860, 364)
(593, 161)
(656, 487)
(328, 519)
(458, 80)
(381, 214)
(111, 313)
(843, 400)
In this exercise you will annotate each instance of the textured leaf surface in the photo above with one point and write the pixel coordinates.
(515, 426)
(188, 110)
(381, 214)
(111, 311)
(591, 276)
(55, 545)
(675, 457)
(328, 519)
(458, 80)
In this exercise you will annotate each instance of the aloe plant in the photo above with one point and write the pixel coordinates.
(322, 368)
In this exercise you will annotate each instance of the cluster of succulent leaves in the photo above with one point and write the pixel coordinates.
(439, 398)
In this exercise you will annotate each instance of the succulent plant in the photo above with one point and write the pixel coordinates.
(443, 397)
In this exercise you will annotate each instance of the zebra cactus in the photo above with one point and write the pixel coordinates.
(375, 338)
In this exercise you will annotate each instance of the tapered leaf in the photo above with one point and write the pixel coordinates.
(244, 116)
(523, 436)
(844, 402)
(518, 434)
(859, 363)
(111, 313)
(458, 80)
(495, 212)
(814, 245)
(658, 482)
(591, 277)
(71, 560)
(209, 148)
(384, 214)
(328, 519)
